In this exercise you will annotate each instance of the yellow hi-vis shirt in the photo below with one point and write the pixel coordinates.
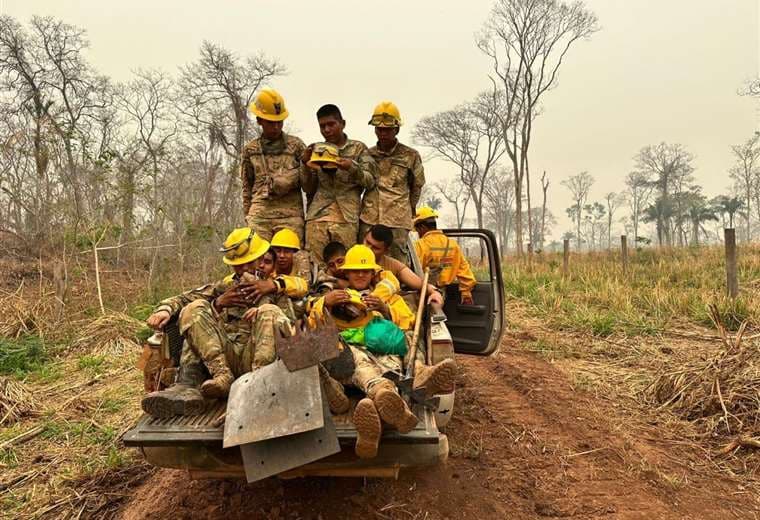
(437, 250)
(385, 289)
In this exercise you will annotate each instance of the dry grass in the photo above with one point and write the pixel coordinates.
(113, 333)
(721, 393)
(662, 290)
(16, 401)
(71, 392)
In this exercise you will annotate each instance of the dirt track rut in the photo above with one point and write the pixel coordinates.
(525, 444)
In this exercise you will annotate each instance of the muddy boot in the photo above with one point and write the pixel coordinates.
(392, 407)
(368, 429)
(438, 379)
(182, 398)
(218, 387)
(336, 396)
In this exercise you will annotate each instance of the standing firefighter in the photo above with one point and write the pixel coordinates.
(442, 255)
(269, 170)
(222, 335)
(334, 176)
(399, 183)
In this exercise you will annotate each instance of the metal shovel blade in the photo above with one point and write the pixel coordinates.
(272, 402)
(308, 347)
(270, 457)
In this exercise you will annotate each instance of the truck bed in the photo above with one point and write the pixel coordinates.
(200, 429)
(193, 443)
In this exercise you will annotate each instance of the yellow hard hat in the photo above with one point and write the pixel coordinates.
(356, 299)
(358, 258)
(286, 237)
(269, 105)
(386, 114)
(353, 313)
(425, 213)
(243, 246)
(324, 155)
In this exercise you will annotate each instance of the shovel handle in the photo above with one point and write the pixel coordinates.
(418, 323)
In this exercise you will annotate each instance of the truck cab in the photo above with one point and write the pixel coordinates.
(194, 443)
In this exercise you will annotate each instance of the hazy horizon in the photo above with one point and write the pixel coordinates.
(657, 71)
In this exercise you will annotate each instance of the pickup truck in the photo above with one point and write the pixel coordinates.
(194, 443)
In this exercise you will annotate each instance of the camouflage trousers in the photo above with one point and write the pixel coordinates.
(368, 372)
(399, 249)
(319, 234)
(241, 346)
(267, 227)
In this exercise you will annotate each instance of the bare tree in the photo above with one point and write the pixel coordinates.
(148, 104)
(639, 191)
(215, 92)
(77, 93)
(527, 41)
(499, 205)
(579, 186)
(613, 201)
(456, 194)
(544, 190)
(746, 173)
(669, 167)
(467, 136)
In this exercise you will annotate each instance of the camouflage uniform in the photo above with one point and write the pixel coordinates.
(393, 199)
(209, 333)
(335, 198)
(295, 285)
(269, 171)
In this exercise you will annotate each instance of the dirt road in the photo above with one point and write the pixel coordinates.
(525, 444)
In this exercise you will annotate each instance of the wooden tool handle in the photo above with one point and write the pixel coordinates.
(418, 322)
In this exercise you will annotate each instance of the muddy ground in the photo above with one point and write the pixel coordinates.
(526, 442)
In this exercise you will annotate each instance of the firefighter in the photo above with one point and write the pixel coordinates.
(270, 171)
(442, 255)
(334, 188)
(217, 338)
(400, 179)
(354, 308)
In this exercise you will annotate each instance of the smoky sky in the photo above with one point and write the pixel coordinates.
(666, 70)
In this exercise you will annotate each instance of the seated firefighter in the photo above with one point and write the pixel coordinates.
(291, 276)
(355, 308)
(437, 379)
(376, 345)
(218, 339)
(442, 255)
(379, 239)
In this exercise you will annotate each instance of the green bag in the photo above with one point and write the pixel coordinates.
(353, 336)
(384, 337)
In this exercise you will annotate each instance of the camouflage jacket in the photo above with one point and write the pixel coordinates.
(399, 184)
(343, 187)
(269, 171)
(231, 316)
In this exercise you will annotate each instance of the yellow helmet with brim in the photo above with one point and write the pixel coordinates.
(243, 246)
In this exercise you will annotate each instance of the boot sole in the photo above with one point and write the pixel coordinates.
(163, 407)
(441, 379)
(394, 410)
(336, 400)
(368, 429)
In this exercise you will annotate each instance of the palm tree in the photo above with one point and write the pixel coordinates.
(699, 211)
(730, 206)
(661, 212)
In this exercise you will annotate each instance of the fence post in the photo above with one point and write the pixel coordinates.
(732, 283)
(565, 256)
(624, 252)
